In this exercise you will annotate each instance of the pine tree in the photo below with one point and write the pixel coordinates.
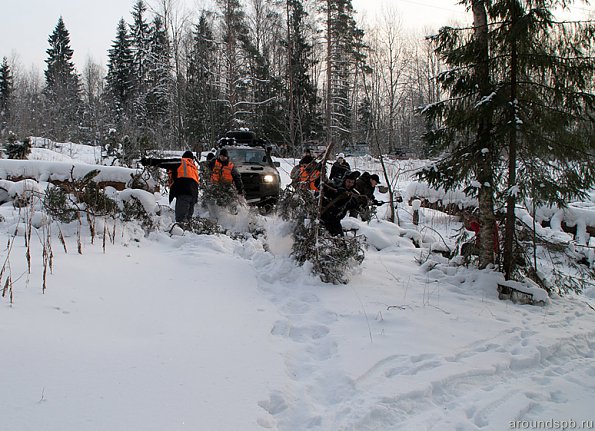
(62, 90)
(119, 80)
(6, 90)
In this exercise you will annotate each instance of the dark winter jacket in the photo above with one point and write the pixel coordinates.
(338, 201)
(364, 187)
(338, 170)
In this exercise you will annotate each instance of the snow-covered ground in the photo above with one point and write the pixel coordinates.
(205, 332)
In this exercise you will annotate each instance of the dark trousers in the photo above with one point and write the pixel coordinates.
(332, 225)
(184, 208)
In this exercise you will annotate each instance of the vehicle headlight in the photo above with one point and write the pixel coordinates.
(268, 179)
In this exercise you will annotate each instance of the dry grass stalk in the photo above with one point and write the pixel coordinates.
(79, 242)
(6, 269)
(91, 221)
(104, 235)
(47, 257)
(62, 240)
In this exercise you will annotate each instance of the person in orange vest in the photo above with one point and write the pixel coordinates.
(182, 181)
(203, 169)
(225, 174)
(307, 174)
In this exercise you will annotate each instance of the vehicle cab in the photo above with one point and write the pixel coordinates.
(252, 158)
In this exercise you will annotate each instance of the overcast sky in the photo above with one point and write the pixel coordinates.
(25, 25)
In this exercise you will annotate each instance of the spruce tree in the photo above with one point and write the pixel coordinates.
(159, 77)
(333, 258)
(203, 122)
(462, 123)
(140, 45)
(302, 115)
(262, 104)
(518, 94)
(6, 90)
(345, 58)
(545, 71)
(93, 116)
(62, 89)
(119, 80)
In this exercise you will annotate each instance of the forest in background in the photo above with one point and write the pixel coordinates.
(289, 70)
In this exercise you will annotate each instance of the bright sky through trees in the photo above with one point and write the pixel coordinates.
(26, 25)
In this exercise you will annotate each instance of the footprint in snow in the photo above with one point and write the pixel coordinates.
(274, 405)
(323, 350)
(296, 307)
(299, 334)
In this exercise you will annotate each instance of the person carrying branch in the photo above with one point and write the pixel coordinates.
(183, 182)
(307, 176)
(338, 201)
(366, 186)
(224, 177)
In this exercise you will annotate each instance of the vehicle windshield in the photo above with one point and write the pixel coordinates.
(248, 155)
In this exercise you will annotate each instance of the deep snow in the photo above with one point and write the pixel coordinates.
(204, 332)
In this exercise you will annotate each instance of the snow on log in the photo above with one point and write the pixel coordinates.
(526, 292)
(577, 219)
(62, 172)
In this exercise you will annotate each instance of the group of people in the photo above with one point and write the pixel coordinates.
(345, 191)
(184, 178)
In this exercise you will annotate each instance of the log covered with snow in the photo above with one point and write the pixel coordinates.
(577, 219)
(526, 292)
(59, 173)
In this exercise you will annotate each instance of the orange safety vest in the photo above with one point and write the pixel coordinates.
(308, 179)
(188, 169)
(222, 173)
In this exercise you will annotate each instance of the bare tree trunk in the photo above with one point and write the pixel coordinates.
(329, 74)
(485, 173)
(292, 102)
(175, 23)
(512, 156)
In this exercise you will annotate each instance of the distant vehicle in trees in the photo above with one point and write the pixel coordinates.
(398, 154)
(356, 149)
